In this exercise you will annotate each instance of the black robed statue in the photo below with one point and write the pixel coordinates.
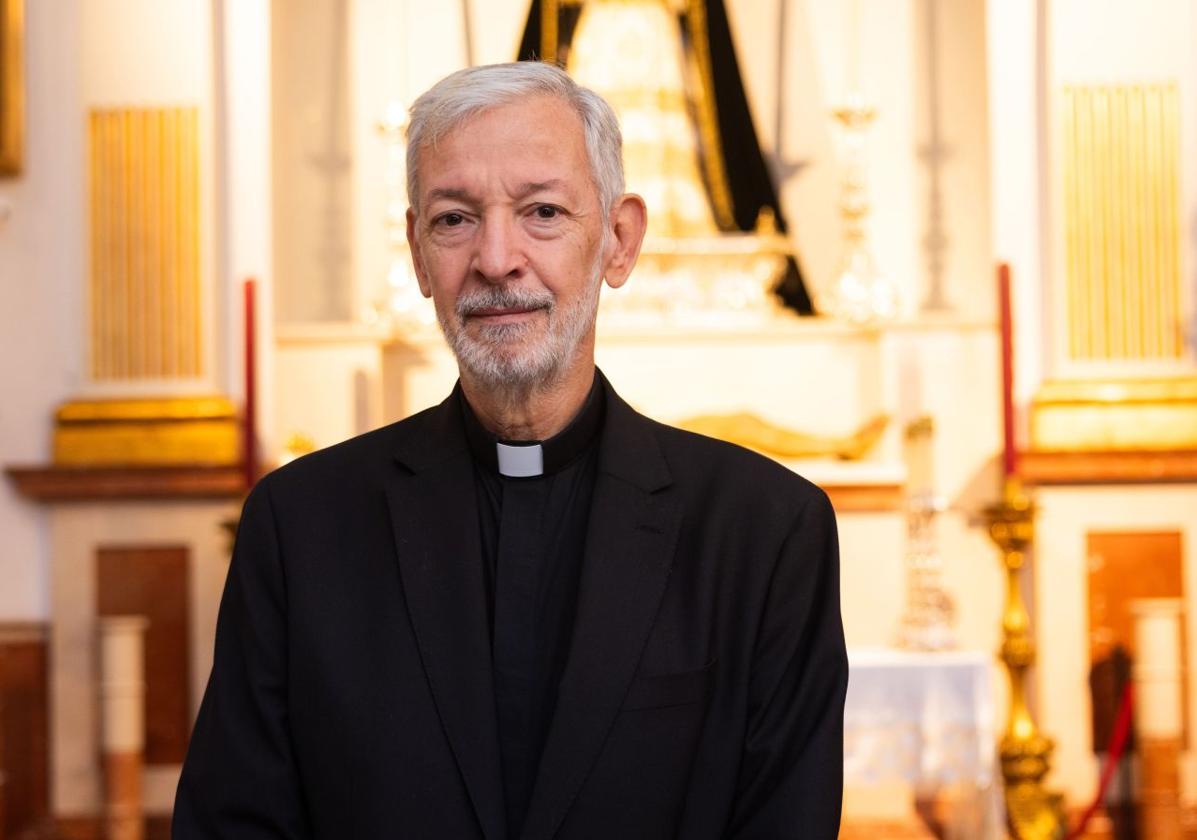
(748, 186)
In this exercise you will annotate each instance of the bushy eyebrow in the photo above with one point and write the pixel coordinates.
(524, 191)
(533, 187)
(454, 193)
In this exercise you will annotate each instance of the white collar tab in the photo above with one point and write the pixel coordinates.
(520, 461)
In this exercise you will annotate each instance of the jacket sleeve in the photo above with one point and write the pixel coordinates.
(239, 779)
(792, 767)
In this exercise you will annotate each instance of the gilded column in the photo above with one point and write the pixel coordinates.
(147, 309)
(1122, 318)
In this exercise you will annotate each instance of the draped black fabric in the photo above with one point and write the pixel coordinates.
(748, 175)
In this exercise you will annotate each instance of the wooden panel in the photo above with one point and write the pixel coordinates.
(1123, 567)
(153, 582)
(59, 484)
(1036, 467)
(24, 779)
(856, 498)
(92, 828)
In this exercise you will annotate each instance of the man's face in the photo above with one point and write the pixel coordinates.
(508, 241)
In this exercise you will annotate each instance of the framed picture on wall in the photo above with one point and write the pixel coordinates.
(12, 86)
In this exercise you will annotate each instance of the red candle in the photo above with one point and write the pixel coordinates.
(250, 448)
(1009, 453)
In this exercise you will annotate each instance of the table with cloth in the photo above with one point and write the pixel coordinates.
(927, 720)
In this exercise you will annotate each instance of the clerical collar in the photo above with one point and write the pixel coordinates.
(531, 458)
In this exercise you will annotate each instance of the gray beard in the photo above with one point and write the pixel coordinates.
(497, 356)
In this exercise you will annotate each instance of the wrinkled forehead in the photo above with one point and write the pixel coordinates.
(541, 132)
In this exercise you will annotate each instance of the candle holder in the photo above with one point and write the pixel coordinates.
(1032, 812)
(861, 294)
(926, 623)
(400, 306)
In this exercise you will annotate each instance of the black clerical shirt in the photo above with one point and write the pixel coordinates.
(533, 535)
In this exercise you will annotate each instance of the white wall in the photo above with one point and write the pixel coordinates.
(80, 55)
(149, 54)
(1105, 42)
(41, 284)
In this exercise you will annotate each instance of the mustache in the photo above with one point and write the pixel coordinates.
(503, 297)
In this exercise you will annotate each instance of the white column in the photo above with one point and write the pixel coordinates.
(122, 709)
(1159, 720)
(244, 203)
(1019, 175)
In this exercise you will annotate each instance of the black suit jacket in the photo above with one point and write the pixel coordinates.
(351, 694)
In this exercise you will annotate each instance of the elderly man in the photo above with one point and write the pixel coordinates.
(528, 612)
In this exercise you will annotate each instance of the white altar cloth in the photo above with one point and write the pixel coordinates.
(923, 718)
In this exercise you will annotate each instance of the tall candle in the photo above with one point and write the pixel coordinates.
(250, 449)
(1009, 453)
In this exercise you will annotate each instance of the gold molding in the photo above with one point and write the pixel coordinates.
(1115, 415)
(12, 86)
(549, 17)
(173, 408)
(147, 432)
(713, 163)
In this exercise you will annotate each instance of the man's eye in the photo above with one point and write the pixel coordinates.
(547, 211)
(451, 219)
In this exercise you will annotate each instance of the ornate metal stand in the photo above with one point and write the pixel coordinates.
(1033, 813)
(860, 293)
(927, 621)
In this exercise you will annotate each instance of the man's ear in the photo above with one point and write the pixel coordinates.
(417, 259)
(629, 220)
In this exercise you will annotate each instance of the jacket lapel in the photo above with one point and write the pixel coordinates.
(630, 543)
(435, 522)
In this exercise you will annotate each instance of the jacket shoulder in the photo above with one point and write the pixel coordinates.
(706, 460)
(350, 463)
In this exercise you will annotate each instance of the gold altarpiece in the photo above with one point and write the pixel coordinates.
(698, 277)
(695, 268)
(147, 311)
(1127, 384)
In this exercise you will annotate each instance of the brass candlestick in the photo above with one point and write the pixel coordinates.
(1032, 812)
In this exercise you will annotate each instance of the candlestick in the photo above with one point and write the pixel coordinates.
(860, 293)
(1032, 812)
(1009, 453)
(250, 454)
(926, 623)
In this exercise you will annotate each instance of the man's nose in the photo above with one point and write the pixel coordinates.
(500, 255)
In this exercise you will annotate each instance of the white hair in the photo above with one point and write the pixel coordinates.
(460, 96)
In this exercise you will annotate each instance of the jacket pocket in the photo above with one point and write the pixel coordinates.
(654, 691)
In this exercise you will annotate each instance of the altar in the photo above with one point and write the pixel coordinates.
(928, 721)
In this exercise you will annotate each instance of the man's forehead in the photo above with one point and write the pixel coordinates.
(540, 108)
(533, 145)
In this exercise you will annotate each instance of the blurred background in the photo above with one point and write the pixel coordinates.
(936, 255)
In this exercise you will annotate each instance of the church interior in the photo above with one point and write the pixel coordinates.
(937, 256)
